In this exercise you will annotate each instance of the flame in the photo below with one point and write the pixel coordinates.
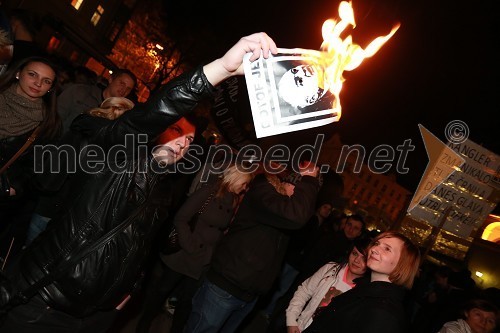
(339, 55)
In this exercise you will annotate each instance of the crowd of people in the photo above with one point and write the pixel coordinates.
(79, 240)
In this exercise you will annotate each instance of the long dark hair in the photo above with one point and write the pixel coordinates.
(361, 244)
(51, 125)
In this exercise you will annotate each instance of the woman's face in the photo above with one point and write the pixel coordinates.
(480, 321)
(35, 80)
(240, 185)
(384, 255)
(357, 262)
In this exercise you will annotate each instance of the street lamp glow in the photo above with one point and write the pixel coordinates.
(479, 274)
(159, 47)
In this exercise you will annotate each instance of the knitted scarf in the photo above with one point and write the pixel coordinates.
(18, 114)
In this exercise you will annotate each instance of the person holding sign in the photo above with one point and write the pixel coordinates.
(84, 267)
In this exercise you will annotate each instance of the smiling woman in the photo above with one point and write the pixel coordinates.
(376, 306)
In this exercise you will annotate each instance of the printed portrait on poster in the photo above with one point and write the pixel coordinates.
(288, 92)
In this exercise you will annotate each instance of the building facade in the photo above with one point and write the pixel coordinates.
(376, 196)
(83, 31)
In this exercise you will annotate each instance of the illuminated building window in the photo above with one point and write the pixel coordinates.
(76, 3)
(53, 44)
(97, 15)
(114, 31)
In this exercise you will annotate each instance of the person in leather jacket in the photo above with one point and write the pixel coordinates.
(83, 298)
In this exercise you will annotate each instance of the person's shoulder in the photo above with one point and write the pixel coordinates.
(457, 326)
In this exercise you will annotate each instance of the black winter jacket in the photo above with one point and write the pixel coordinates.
(102, 200)
(373, 307)
(249, 257)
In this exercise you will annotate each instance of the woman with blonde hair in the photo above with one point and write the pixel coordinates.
(376, 306)
(83, 127)
(112, 108)
(184, 269)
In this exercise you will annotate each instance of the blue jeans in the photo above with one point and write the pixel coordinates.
(287, 277)
(216, 310)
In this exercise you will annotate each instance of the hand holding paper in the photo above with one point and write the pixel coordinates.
(231, 63)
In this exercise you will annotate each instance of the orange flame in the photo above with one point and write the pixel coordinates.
(339, 55)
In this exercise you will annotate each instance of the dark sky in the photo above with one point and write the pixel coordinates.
(440, 66)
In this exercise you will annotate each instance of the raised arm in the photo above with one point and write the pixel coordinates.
(182, 95)
(231, 63)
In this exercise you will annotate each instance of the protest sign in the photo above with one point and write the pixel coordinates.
(287, 92)
(469, 193)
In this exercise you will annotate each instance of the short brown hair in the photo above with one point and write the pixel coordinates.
(409, 260)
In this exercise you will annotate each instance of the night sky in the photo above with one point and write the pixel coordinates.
(440, 65)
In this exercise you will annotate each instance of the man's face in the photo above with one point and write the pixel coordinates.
(300, 86)
(325, 210)
(120, 86)
(353, 228)
(174, 142)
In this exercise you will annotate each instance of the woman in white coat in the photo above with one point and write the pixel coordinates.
(329, 281)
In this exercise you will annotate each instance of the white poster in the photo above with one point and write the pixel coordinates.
(288, 92)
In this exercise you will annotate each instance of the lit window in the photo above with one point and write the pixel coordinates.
(53, 44)
(76, 3)
(97, 15)
(114, 31)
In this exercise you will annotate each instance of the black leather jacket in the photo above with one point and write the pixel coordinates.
(102, 200)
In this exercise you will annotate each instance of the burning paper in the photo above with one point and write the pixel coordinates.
(299, 89)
